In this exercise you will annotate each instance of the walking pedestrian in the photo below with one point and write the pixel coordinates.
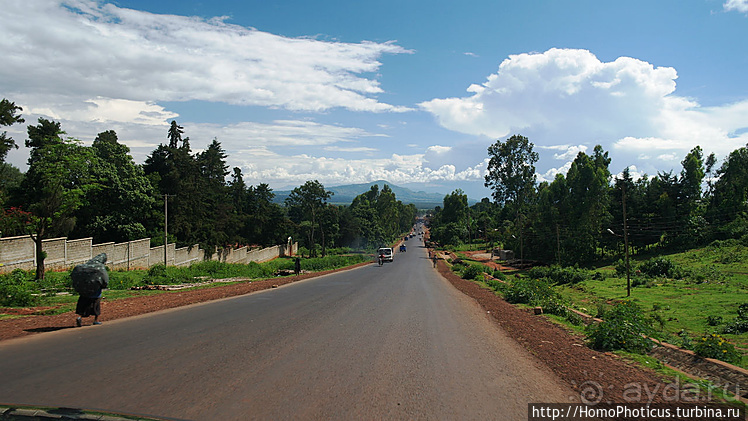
(88, 306)
(89, 279)
(297, 266)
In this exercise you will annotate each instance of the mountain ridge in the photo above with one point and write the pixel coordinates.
(344, 194)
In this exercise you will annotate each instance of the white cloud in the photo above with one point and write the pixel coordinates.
(84, 52)
(736, 5)
(568, 152)
(570, 96)
(438, 149)
(350, 149)
(280, 170)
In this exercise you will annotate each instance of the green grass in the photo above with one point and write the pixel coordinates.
(715, 284)
(712, 281)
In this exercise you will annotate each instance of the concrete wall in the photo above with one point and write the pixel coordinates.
(62, 254)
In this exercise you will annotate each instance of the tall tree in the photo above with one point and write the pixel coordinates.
(175, 134)
(306, 202)
(511, 176)
(176, 173)
(55, 184)
(8, 117)
(511, 170)
(216, 217)
(119, 197)
(588, 181)
(730, 196)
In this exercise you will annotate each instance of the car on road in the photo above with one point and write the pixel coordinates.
(387, 254)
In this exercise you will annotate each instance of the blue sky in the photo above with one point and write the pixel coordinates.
(408, 91)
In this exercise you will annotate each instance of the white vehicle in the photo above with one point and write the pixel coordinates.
(386, 254)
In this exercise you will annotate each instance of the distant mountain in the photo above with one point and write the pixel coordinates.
(344, 195)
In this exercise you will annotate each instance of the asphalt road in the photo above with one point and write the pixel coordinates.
(390, 342)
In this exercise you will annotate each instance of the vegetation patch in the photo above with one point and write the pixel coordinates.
(715, 346)
(19, 289)
(623, 328)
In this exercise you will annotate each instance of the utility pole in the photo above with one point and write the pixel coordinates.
(166, 224)
(558, 246)
(626, 241)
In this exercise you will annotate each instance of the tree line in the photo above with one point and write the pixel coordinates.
(99, 191)
(583, 215)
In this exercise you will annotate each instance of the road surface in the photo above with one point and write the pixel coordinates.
(390, 342)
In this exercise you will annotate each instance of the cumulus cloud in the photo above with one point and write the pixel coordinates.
(106, 60)
(565, 152)
(736, 5)
(569, 95)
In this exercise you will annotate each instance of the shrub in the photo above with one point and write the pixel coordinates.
(16, 290)
(331, 262)
(537, 293)
(739, 324)
(713, 320)
(499, 275)
(621, 268)
(661, 267)
(122, 279)
(641, 282)
(559, 275)
(685, 340)
(339, 250)
(527, 291)
(574, 318)
(471, 271)
(622, 329)
(715, 346)
(496, 285)
(156, 275)
(705, 274)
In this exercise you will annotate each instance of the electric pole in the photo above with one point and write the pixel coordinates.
(166, 224)
(626, 242)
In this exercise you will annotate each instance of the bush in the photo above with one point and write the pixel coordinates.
(705, 274)
(471, 271)
(156, 275)
(496, 285)
(527, 291)
(621, 268)
(715, 346)
(16, 290)
(661, 267)
(622, 329)
(685, 340)
(713, 320)
(499, 275)
(123, 279)
(559, 275)
(339, 250)
(740, 324)
(331, 262)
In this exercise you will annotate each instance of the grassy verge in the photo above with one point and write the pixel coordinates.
(55, 293)
(688, 296)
